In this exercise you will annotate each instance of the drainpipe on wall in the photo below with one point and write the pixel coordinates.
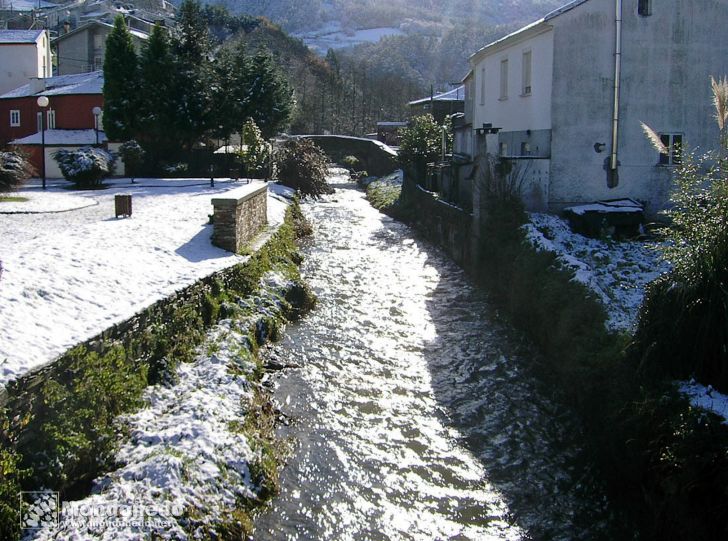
(613, 169)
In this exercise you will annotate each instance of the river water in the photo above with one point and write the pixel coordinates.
(415, 413)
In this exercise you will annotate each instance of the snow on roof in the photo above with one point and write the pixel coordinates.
(62, 137)
(19, 36)
(391, 123)
(605, 207)
(94, 14)
(88, 24)
(79, 83)
(26, 5)
(456, 94)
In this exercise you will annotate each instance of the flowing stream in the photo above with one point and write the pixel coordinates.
(415, 413)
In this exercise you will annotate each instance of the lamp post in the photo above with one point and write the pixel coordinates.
(97, 112)
(42, 102)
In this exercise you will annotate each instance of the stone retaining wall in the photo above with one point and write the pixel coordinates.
(445, 224)
(240, 214)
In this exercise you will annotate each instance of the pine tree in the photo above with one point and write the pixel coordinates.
(194, 74)
(158, 96)
(270, 96)
(231, 98)
(120, 83)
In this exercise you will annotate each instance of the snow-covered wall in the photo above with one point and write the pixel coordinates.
(239, 216)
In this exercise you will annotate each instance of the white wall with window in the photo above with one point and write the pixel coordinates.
(526, 73)
(514, 79)
(503, 79)
(644, 7)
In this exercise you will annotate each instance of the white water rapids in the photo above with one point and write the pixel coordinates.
(414, 414)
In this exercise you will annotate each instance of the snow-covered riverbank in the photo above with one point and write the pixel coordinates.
(187, 462)
(617, 273)
(66, 276)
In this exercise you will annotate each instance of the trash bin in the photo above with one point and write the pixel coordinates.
(123, 205)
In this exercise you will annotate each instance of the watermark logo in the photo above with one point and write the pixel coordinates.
(39, 509)
(44, 510)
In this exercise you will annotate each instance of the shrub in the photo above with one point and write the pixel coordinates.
(683, 323)
(14, 169)
(85, 167)
(421, 143)
(73, 430)
(256, 151)
(303, 166)
(177, 169)
(11, 479)
(133, 156)
(350, 162)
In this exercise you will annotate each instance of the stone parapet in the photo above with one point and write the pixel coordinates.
(239, 215)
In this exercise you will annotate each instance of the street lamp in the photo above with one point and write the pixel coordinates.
(42, 102)
(97, 112)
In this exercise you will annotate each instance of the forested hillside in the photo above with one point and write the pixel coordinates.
(338, 94)
(306, 15)
(351, 89)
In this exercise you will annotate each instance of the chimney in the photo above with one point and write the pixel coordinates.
(37, 85)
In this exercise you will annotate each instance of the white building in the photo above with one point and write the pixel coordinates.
(549, 92)
(24, 54)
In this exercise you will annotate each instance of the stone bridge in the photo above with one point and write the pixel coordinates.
(374, 157)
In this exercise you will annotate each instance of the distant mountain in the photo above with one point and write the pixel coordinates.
(426, 40)
(311, 15)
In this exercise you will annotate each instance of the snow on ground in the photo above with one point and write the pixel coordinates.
(185, 464)
(68, 276)
(45, 201)
(705, 397)
(617, 272)
(333, 36)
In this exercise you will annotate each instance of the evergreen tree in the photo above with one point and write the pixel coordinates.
(120, 83)
(231, 97)
(158, 96)
(194, 74)
(269, 94)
